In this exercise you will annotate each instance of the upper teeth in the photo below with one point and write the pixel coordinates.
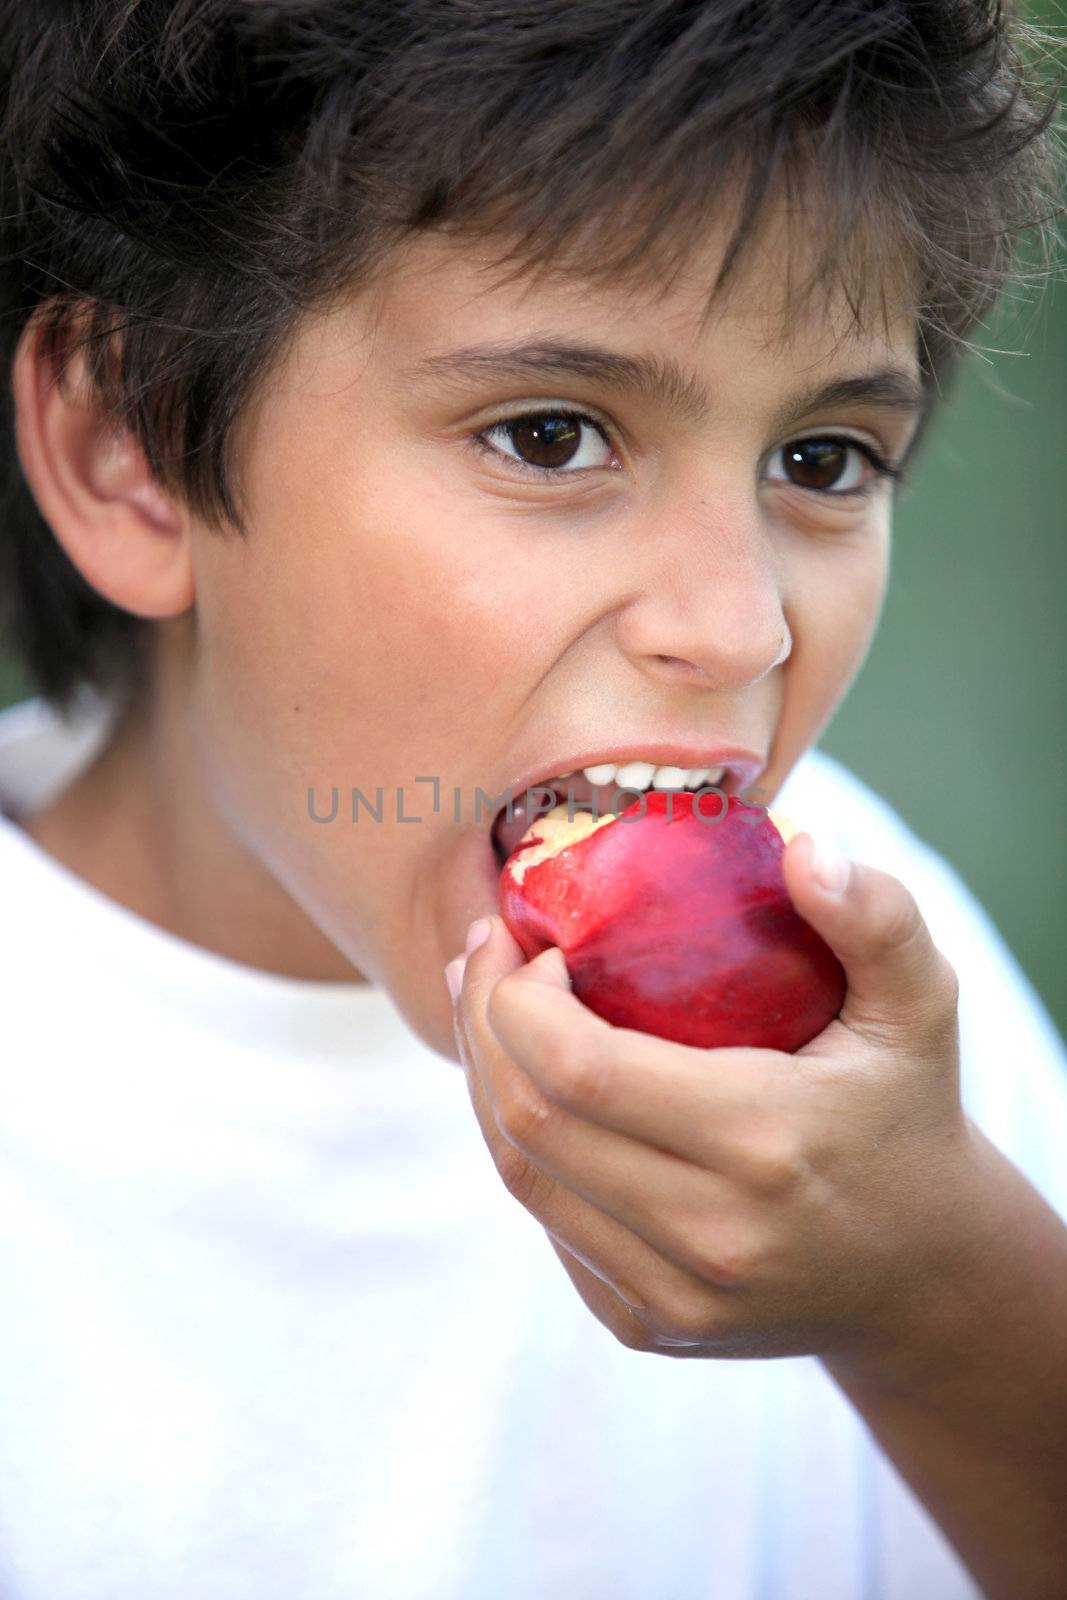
(645, 774)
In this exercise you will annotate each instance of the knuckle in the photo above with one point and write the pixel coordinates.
(776, 1166)
(524, 1119)
(520, 1177)
(901, 919)
(688, 1319)
(498, 1002)
(943, 994)
(934, 1009)
(724, 1261)
(949, 982)
(928, 990)
(583, 1078)
(632, 1333)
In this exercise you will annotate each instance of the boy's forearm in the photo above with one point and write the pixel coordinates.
(974, 1413)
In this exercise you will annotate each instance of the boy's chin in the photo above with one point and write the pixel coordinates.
(431, 1024)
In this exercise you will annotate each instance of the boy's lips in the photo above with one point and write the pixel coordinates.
(742, 768)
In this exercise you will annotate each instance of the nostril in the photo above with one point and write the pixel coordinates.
(692, 667)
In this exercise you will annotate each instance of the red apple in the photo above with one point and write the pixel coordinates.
(678, 925)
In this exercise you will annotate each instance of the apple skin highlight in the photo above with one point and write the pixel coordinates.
(682, 928)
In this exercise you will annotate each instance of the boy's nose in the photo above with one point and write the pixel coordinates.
(711, 605)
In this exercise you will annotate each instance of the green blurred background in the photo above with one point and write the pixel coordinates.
(958, 716)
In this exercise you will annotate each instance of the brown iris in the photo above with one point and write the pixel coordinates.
(549, 440)
(816, 463)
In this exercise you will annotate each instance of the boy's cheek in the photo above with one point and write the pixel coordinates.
(394, 896)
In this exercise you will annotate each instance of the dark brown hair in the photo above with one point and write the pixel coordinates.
(181, 179)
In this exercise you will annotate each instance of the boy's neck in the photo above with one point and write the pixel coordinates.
(135, 827)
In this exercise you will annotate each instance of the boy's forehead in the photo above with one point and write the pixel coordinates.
(441, 293)
(438, 293)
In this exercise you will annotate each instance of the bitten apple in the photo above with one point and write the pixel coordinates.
(675, 923)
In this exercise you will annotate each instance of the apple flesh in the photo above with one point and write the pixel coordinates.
(675, 923)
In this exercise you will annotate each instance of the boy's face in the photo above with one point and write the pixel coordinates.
(410, 605)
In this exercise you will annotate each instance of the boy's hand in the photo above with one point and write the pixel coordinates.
(739, 1202)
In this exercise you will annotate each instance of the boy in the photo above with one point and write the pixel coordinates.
(288, 512)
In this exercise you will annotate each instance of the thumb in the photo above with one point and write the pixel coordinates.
(495, 954)
(550, 967)
(899, 982)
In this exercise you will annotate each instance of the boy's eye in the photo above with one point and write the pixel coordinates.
(554, 443)
(823, 464)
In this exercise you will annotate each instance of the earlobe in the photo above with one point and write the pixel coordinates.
(128, 537)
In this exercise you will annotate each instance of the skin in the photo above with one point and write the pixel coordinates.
(406, 605)
(396, 608)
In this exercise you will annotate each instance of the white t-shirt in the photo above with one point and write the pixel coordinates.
(271, 1326)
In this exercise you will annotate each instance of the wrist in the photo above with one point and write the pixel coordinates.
(933, 1327)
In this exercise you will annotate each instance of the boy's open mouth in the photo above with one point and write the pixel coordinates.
(576, 789)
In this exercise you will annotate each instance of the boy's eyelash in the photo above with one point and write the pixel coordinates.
(883, 468)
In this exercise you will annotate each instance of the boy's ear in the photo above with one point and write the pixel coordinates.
(127, 537)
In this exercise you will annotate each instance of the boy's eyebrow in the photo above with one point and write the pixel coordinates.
(661, 378)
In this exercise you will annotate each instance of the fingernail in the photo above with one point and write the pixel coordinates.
(830, 868)
(454, 975)
(477, 934)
